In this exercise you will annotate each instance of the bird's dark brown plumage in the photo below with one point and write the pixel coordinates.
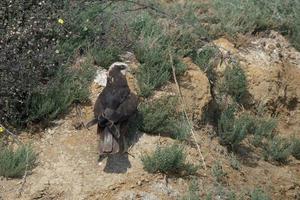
(112, 109)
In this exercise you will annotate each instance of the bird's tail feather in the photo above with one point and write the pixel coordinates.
(108, 143)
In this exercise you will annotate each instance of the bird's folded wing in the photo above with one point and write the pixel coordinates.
(124, 111)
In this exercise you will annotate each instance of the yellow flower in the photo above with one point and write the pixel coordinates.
(2, 130)
(60, 21)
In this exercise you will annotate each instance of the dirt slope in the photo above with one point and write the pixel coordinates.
(68, 166)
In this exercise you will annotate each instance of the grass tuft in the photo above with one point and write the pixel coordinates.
(235, 82)
(218, 173)
(296, 148)
(193, 192)
(13, 162)
(168, 160)
(259, 194)
(278, 149)
(69, 86)
(160, 117)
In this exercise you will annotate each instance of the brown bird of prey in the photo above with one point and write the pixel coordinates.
(112, 109)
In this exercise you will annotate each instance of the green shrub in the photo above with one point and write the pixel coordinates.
(234, 162)
(13, 163)
(67, 87)
(204, 59)
(296, 148)
(160, 116)
(232, 130)
(218, 173)
(277, 149)
(262, 128)
(168, 160)
(235, 82)
(154, 49)
(193, 193)
(259, 194)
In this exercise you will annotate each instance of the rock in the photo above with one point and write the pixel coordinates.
(195, 88)
(101, 76)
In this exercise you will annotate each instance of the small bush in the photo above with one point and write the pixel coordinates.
(259, 194)
(235, 82)
(67, 87)
(218, 173)
(232, 130)
(277, 149)
(204, 59)
(13, 163)
(168, 160)
(160, 116)
(234, 162)
(262, 128)
(296, 148)
(193, 193)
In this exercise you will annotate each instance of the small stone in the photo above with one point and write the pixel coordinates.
(139, 183)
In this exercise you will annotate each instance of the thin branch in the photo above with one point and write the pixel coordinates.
(15, 137)
(185, 112)
(20, 190)
(79, 115)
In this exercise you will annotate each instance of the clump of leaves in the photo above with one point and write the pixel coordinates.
(277, 149)
(259, 194)
(13, 163)
(218, 173)
(296, 148)
(193, 192)
(235, 83)
(160, 116)
(168, 160)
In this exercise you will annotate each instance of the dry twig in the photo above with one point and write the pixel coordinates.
(185, 112)
(20, 190)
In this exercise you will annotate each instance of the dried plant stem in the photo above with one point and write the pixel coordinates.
(20, 190)
(185, 112)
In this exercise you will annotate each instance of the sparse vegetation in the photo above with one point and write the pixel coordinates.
(278, 149)
(259, 194)
(231, 129)
(234, 16)
(262, 128)
(153, 50)
(234, 162)
(13, 163)
(68, 86)
(218, 173)
(168, 160)
(193, 192)
(204, 58)
(296, 148)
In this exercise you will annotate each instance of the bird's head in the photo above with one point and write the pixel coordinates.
(118, 67)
